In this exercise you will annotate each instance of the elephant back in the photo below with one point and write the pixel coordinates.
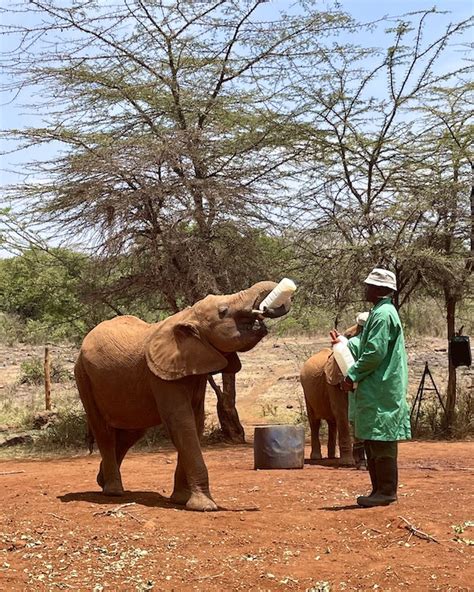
(119, 341)
(315, 386)
(313, 368)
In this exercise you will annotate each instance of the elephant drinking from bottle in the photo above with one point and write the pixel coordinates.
(320, 377)
(132, 375)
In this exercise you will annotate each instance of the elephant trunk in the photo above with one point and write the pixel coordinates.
(258, 292)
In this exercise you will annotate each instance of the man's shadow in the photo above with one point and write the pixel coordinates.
(341, 508)
(150, 499)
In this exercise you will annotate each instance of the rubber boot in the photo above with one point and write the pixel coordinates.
(358, 453)
(386, 473)
(373, 476)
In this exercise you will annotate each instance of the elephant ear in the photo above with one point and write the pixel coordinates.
(176, 349)
(333, 374)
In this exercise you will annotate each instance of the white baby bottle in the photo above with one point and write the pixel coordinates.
(279, 295)
(342, 355)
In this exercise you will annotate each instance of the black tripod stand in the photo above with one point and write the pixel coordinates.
(419, 397)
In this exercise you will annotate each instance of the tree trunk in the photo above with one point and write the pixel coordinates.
(231, 427)
(451, 388)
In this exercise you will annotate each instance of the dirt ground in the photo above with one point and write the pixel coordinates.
(275, 530)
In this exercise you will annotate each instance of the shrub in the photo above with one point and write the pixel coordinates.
(68, 430)
(431, 424)
(464, 419)
(12, 329)
(32, 372)
(154, 437)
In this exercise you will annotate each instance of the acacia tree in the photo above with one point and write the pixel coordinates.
(174, 129)
(390, 187)
(445, 243)
(360, 201)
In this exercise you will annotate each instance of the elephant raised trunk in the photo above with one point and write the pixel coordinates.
(260, 291)
(132, 375)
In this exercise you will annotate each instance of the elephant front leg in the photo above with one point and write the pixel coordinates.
(191, 484)
(181, 491)
(184, 424)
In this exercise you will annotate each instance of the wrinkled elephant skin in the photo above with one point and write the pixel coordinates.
(132, 375)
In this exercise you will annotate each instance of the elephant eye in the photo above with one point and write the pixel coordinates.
(246, 316)
(222, 310)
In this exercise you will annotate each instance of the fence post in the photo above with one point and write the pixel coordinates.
(47, 379)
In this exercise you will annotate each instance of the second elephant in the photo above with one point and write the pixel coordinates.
(320, 378)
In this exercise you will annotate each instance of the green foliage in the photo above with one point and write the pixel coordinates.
(432, 425)
(32, 372)
(13, 411)
(154, 437)
(12, 329)
(68, 431)
(40, 296)
(423, 316)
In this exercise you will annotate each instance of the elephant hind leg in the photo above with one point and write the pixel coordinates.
(332, 437)
(124, 440)
(315, 425)
(109, 475)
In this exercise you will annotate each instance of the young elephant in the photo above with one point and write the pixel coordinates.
(132, 375)
(320, 378)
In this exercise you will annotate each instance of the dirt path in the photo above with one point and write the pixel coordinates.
(276, 530)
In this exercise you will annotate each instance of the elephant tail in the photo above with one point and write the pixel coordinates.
(90, 439)
(84, 388)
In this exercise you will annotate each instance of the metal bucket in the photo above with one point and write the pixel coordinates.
(278, 447)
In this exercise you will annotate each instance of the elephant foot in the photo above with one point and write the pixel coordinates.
(199, 502)
(115, 489)
(346, 461)
(180, 497)
(316, 456)
(100, 478)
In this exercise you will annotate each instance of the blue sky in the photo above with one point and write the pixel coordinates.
(14, 115)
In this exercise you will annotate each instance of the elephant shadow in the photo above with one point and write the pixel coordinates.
(326, 462)
(143, 498)
(149, 499)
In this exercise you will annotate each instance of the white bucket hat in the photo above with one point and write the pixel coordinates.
(361, 318)
(382, 277)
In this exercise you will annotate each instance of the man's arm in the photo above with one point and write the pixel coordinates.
(375, 350)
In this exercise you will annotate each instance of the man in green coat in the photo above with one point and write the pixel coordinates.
(381, 414)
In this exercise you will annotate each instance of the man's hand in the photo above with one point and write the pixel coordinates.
(334, 335)
(347, 385)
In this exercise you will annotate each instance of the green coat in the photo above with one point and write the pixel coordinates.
(381, 410)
